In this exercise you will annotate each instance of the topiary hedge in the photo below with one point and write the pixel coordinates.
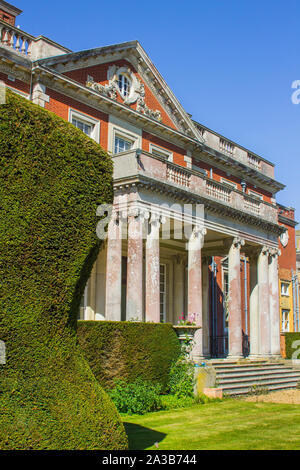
(52, 178)
(129, 351)
(290, 338)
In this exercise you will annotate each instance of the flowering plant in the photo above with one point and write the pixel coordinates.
(189, 321)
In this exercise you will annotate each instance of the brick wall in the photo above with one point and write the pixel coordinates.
(178, 153)
(4, 16)
(99, 74)
(61, 104)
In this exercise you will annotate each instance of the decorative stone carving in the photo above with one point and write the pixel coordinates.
(284, 238)
(274, 252)
(109, 90)
(196, 239)
(238, 242)
(136, 92)
(143, 108)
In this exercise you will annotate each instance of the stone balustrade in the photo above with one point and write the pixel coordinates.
(136, 163)
(252, 205)
(15, 39)
(26, 45)
(178, 175)
(218, 191)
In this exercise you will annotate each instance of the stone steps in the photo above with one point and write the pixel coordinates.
(239, 378)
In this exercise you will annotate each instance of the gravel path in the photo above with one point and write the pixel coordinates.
(291, 397)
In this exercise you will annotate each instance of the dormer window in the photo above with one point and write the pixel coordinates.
(124, 85)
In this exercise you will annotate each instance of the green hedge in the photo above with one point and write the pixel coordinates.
(289, 340)
(129, 351)
(52, 178)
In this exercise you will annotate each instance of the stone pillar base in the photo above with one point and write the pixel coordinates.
(234, 358)
(255, 357)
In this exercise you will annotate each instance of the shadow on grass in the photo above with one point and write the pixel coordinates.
(140, 438)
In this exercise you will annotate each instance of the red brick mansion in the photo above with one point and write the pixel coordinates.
(225, 270)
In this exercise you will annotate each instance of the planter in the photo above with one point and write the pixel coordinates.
(184, 331)
(186, 335)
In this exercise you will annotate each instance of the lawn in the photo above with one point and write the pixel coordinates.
(230, 424)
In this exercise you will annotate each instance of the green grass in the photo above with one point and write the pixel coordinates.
(230, 424)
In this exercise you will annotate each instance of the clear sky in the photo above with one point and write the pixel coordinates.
(231, 63)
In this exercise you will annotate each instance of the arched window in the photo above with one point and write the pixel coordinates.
(124, 85)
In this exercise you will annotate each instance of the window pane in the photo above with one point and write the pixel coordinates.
(121, 145)
(83, 126)
(124, 85)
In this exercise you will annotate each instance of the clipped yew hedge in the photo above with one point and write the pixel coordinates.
(52, 178)
(290, 339)
(129, 351)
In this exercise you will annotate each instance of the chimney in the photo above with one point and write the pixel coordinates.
(8, 12)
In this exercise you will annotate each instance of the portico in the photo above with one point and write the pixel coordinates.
(158, 265)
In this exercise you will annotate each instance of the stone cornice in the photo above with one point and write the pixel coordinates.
(11, 9)
(287, 221)
(187, 196)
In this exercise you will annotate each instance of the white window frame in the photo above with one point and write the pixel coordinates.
(122, 134)
(162, 152)
(118, 135)
(255, 194)
(285, 321)
(118, 127)
(229, 183)
(125, 77)
(18, 92)
(283, 291)
(95, 123)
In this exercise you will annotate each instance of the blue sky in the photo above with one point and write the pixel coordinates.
(230, 63)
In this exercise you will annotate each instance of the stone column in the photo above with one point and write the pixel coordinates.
(100, 284)
(91, 296)
(235, 299)
(274, 303)
(205, 308)
(254, 319)
(134, 301)
(114, 269)
(179, 277)
(264, 302)
(153, 270)
(195, 245)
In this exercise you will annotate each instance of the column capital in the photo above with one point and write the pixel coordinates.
(274, 252)
(138, 213)
(155, 218)
(238, 242)
(196, 238)
(264, 250)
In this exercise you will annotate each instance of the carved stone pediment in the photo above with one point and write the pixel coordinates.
(136, 92)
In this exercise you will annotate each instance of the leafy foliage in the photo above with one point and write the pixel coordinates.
(52, 178)
(181, 379)
(136, 398)
(129, 351)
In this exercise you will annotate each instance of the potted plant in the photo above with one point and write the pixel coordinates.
(185, 330)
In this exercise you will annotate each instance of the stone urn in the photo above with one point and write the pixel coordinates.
(188, 337)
